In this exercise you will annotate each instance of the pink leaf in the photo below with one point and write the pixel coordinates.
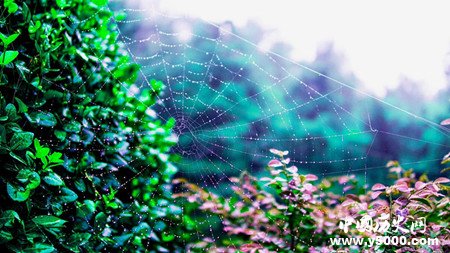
(375, 195)
(445, 122)
(275, 172)
(274, 163)
(348, 187)
(309, 187)
(292, 169)
(311, 177)
(250, 247)
(402, 201)
(348, 202)
(343, 179)
(278, 152)
(403, 187)
(419, 185)
(441, 180)
(378, 187)
(396, 169)
(274, 151)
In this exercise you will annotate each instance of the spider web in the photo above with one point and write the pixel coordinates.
(231, 105)
(226, 103)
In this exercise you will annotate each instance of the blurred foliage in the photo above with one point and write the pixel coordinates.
(84, 163)
(226, 95)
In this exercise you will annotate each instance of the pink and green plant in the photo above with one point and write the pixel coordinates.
(293, 212)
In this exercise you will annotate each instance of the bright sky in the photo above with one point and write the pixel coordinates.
(382, 41)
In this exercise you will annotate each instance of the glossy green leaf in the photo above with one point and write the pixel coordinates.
(100, 2)
(53, 179)
(61, 3)
(8, 39)
(72, 127)
(79, 239)
(30, 178)
(22, 106)
(8, 56)
(99, 165)
(11, 6)
(55, 158)
(17, 157)
(42, 118)
(68, 195)
(21, 140)
(61, 135)
(40, 248)
(5, 236)
(49, 221)
(17, 193)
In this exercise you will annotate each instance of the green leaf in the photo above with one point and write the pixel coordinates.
(167, 237)
(35, 180)
(80, 185)
(22, 106)
(2, 136)
(17, 193)
(100, 220)
(90, 205)
(5, 236)
(245, 209)
(98, 165)
(55, 158)
(100, 2)
(79, 239)
(34, 27)
(8, 217)
(41, 152)
(53, 179)
(11, 111)
(120, 16)
(18, 158)
(26, 13)
(61, 3)
(445, 170)
(49, 221)
(37, 144)
(72, 127)
(8, 56)
(41, 248)
(36, 82)
(21, 140)
(8, 40)
(30, 178)
(11, 5)
(13, 127)
(123, 239)
(57, 208)
(41, 118)
(68, 195)
(61, 135)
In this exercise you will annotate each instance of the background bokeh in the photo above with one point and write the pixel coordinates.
(232, 101)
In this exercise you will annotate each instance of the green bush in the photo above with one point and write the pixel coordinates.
(84, 160)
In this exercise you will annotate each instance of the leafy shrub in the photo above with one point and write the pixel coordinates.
(75, 141)
(292, 212)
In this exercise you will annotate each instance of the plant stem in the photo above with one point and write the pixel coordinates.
(291, 229)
